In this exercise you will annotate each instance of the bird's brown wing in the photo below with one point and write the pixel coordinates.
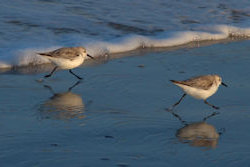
(66, 53)
(200, 82)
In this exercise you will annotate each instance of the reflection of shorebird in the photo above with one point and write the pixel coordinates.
(66, 58)
(200, 134)
(64, 105)
(201, 87)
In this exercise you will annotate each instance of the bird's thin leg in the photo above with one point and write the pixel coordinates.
(211, 105)
(49, 75)
(74, 74)
(179, 100)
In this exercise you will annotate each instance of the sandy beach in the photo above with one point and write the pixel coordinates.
(117, 115)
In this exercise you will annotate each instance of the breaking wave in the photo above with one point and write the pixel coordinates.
(164, 39)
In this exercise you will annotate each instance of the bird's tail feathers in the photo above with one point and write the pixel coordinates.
(44, 54)
(174, 81)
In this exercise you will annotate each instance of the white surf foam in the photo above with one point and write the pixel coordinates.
(166, 39)
(30, 56)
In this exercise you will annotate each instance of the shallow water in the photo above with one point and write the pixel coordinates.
(119, 117)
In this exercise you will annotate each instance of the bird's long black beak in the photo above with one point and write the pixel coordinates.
(223, 84)
(90, 56)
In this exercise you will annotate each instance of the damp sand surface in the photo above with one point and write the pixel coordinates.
(117, 115)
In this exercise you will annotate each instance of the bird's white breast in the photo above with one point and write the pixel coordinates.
(199, 93)
(67, 63)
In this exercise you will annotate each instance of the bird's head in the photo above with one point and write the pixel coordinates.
(218, 80)
(83, 52)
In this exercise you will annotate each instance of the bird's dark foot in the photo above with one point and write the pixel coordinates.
(47, 76)
(80, 78)
(217, 108)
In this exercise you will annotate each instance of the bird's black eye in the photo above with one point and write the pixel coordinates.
(78, 55)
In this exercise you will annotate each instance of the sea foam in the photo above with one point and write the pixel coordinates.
(133, 42)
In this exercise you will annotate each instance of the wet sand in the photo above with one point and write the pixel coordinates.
(117, 115)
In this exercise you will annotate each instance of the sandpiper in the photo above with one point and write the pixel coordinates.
(66, 58)
(201, 87)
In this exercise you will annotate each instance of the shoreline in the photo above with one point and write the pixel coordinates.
(46, 67)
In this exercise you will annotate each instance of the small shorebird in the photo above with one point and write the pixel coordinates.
(201, 87)
(66, 58)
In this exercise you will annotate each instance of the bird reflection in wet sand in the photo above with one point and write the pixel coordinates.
(199, 134)
(66, 105)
